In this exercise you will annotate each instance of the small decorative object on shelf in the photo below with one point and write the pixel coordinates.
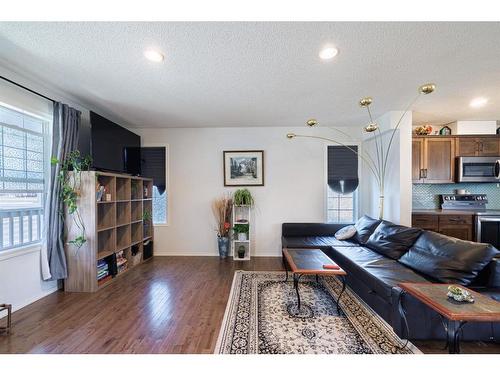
(423, 130)
(241, 252)
(445, 130)
(99, 193)
(459, 294)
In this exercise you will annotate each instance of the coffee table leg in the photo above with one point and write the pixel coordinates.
(285, 264)
(341, 292)
(453, 336)
(296, 278)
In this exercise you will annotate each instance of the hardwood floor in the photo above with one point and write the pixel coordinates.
(167, 305)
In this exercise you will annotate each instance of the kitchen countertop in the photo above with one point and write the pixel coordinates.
(439, 211)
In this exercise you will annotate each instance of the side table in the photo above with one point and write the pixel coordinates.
(7, 328)
(456, 314)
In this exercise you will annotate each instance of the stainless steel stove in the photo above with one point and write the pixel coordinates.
(475, 202)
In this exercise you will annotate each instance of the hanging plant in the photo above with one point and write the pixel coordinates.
(70, 187)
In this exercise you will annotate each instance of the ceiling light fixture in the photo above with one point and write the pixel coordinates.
(328, 53)
(478, 102)
(153, 55)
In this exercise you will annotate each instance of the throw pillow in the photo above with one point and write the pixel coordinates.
(364, 228)
(448, 259)
(392, 240)
(346, 232)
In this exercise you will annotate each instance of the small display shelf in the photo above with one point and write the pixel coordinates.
(112, 207)
(241, 244)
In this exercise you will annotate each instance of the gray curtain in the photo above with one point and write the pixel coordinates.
(66, 126)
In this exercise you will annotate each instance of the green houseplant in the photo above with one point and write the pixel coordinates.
(69, 190)
(241, 231)
(243, 197)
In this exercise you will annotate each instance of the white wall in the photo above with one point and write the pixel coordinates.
(398, 187)
(294, 191)
(21, 279)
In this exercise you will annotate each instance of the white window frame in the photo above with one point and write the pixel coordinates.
(167, 177)
(47, 142)
(357, 195)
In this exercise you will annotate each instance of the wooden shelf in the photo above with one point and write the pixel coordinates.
(117, 224)
(241, 215)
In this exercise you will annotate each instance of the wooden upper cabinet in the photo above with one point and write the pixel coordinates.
(489, 146)
(439, 160)
(478, 146)
(417, 159)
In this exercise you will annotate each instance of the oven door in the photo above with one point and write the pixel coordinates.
(488, 230)
(478, 169)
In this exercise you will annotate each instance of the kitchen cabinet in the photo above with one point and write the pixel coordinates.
(478, 146)
(458, 226)
(433, 160)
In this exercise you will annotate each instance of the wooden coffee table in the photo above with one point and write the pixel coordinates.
(456, 314)
(310, 262)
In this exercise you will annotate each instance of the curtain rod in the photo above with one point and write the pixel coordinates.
(27, 89)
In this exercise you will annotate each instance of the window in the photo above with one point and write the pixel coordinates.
(153, 165)
(342, 184)
(23, 165)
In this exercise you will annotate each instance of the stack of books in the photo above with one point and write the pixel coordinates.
(102, 271)
(121, 262)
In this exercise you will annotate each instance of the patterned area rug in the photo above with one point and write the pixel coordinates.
(262, 318)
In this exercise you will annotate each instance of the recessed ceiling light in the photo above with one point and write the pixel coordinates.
(153, 55)
(478, 102)
(328, 53)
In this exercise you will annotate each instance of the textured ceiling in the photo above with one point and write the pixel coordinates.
(260, 74)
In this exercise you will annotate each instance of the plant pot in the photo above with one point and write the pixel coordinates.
(241, 252)
(223, 243)
(242, 236)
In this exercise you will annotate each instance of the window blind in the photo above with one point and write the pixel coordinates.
(343, 169)
(153, 166)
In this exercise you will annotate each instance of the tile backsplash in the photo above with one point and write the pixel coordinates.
(426, 196)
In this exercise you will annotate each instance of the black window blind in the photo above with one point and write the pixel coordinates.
(153, 166)
(343, 169)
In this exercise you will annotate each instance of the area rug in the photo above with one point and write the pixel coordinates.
(262, 318)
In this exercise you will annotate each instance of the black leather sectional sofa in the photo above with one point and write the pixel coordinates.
(383, 254)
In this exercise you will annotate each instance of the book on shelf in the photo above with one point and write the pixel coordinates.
(104, 280)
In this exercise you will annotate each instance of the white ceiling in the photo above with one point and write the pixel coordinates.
(261, 74)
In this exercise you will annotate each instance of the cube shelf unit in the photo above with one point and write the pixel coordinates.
(241, 215)
(111, 226)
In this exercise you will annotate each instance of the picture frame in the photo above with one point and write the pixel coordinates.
(244, 168)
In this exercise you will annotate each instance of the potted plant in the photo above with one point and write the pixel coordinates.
(243, 197)
(69, 180)
(222, 208)
(241, 231)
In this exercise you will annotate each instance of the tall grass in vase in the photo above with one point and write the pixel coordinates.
(222, 209)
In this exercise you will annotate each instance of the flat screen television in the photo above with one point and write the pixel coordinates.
(113, 147)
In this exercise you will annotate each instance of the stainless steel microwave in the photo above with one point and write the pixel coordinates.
(478, 169)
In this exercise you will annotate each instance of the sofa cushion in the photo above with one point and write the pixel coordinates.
(346, 233)
(448, 259)
(373, 269)
(365, 226)
(314, 242)
(392, 240)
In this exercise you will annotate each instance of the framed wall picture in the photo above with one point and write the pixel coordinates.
(244, 168)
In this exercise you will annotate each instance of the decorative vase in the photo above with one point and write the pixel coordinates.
(241, 252)
(223, 243)
(242, 236)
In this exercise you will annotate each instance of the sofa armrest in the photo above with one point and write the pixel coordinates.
(494, 273)
(309, 229)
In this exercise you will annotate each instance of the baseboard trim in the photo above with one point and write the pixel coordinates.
(186, 254)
